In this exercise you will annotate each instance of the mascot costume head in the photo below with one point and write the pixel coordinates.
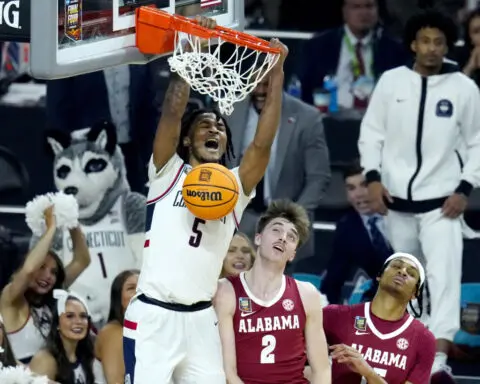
(88, 164)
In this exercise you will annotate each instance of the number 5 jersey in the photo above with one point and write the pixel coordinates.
(183, 255)
(269, 336)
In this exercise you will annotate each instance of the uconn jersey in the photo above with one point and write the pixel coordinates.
(183, 255)
(110, 254)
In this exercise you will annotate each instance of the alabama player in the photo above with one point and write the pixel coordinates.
(170, 326)
(270, 323)
(379, 342)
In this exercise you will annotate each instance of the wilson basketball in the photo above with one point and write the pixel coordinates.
(210, 191)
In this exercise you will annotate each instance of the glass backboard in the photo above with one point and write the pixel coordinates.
(71, 37)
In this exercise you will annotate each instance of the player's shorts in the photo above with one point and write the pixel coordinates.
(164, 342)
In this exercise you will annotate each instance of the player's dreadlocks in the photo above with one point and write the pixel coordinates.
(186, 129)
(430, 19)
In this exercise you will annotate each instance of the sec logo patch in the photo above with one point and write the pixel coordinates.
(402, 344)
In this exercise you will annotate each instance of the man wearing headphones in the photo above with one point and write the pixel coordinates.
(378, 341)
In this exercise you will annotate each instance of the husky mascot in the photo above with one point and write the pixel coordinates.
(89, 165)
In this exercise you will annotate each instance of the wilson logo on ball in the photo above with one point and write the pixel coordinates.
(205, 196)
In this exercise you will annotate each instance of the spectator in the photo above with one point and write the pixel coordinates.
(26, 303)
(359, 240)
(413, 169)
(357, 51)
(68, 355)
(109, 344)
(299, 168)
(468, 55)
(240, 256)
(123, 95)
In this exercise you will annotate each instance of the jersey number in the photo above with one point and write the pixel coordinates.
(268, 343)
(102, 265)
(197, 233)
(379, 371)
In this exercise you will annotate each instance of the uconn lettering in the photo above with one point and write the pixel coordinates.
(101, 239)
(386, 358)
(268, 324)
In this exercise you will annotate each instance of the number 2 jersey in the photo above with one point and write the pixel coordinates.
(269, 336)
(399, 351)
(183, 255)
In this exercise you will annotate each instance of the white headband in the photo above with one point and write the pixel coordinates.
(413, 259)
(62, 297)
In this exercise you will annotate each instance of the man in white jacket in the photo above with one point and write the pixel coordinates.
(408, 141)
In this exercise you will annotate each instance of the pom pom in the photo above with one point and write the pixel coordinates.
(20, 375)
(65, 211)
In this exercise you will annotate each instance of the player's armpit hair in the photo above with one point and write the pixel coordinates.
(290, 211)
(134, 212)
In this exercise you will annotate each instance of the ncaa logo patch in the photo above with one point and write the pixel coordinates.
(360, 323)
(402, 344)
(288, 305)
(245, 304)
(444, 108)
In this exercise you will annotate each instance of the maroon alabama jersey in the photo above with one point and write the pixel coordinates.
(399, 351)
(269, 336)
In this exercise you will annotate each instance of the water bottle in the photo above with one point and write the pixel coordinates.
(330, 84)
(295, 87)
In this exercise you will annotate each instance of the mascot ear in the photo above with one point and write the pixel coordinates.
(56, 141)
(104, 135)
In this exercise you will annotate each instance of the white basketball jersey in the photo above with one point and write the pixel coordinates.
(110, 254)
(183, 255)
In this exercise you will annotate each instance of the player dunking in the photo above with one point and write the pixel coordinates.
(270, 323)
(379, 342)
(170, 327)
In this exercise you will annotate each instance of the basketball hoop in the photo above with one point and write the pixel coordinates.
(200, 64)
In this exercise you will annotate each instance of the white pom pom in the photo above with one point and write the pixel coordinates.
(20, 375)
(65, 211)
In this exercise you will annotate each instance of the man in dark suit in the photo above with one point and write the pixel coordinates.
(359, 240)
(299, 167)
(358, 46)
(124, 95)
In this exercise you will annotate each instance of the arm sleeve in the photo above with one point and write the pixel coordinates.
(372, 131)
(420, 373)
(243, 199)
(470, 132)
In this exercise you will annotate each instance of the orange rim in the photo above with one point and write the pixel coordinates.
(149, 18)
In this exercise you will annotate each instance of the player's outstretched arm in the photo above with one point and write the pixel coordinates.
(317, 350)
(173, 108)
(255, 161)
(224, 303)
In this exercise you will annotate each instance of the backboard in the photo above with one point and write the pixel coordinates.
(72, 37)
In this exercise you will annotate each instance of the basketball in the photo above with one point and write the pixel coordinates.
(210, 191)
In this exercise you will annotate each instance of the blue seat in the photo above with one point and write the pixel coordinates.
(357, 294)
(309, 278)
(470, 294)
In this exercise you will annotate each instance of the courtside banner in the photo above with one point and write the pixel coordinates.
(15, 20)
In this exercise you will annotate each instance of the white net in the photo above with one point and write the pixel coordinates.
(226, 82)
